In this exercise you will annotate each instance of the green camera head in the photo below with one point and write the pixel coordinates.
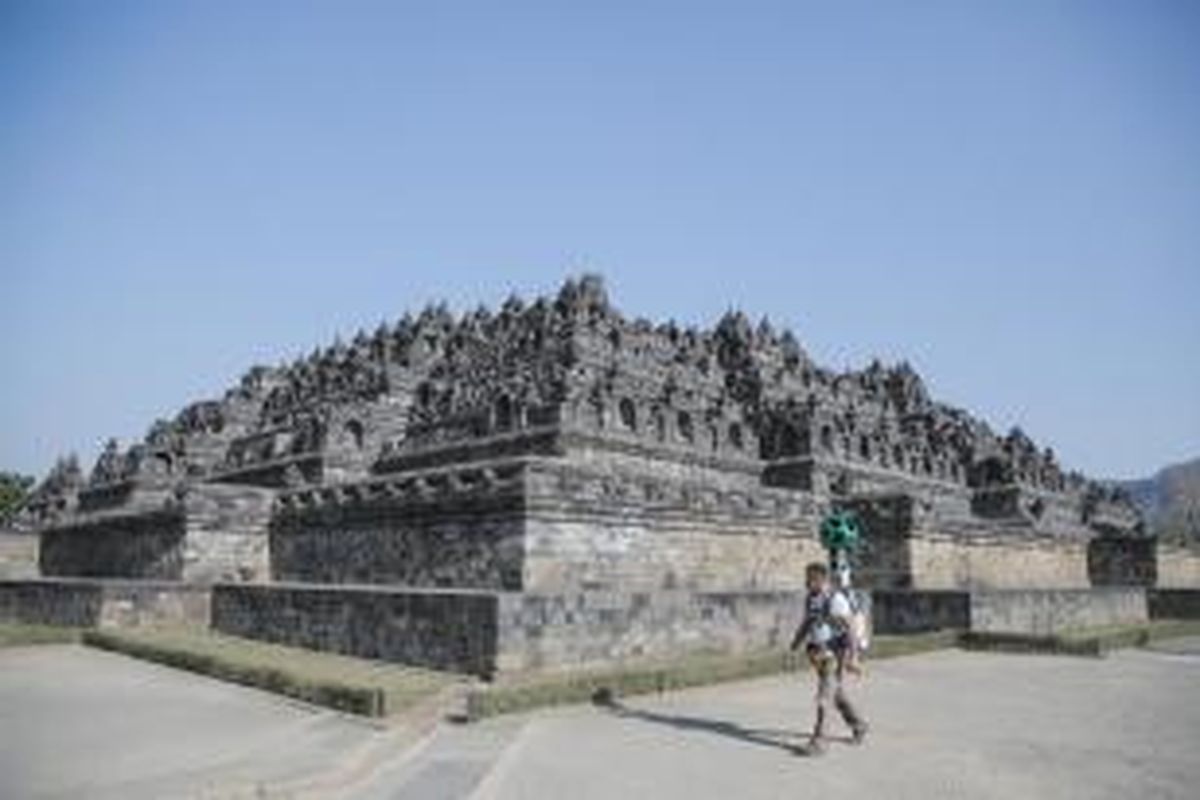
(840, 531)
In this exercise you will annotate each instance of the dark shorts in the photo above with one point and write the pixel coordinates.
(838, 647)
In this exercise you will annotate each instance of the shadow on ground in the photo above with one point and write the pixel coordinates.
(790, 741)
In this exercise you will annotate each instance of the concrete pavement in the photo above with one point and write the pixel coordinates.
(80, 723)
(949, 724)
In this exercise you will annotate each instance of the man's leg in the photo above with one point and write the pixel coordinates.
(824, 668)
(858, 725)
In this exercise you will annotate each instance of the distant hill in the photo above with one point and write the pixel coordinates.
(1171, 500)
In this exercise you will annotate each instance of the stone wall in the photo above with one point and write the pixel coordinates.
(927, 541)
(1029, 611)
(506, 632)
(860, 485)
(57, 602)
(611, 554)
(613, 522)
(596, 521)
(227, 533)
(442, 629)
(888, 520)
(1177, 567)
(18, 555)
(440, 527)
(85, 603)
(210, 533)
(900, 612)
(488, 632)
(1174, 603)
(1051, 611)
(1122, 561)
(479, 552)
(136, 545)
(1011, 561)
(593, 629)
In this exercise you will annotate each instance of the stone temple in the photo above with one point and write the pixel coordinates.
(554, 485)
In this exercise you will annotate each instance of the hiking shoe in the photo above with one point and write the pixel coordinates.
(814, 747)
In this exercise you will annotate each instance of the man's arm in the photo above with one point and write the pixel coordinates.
(802, 631)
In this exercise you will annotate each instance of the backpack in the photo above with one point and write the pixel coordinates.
(860, 620)
(858, 628)
(824, 631)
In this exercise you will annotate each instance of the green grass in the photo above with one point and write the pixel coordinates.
(379, 689)
(1136, 634)
(1093, 641)
(522, 693)
(1050, 644)
(357, 686)
(14, 634)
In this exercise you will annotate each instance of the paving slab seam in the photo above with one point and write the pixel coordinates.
(283, 699)
(491, 780)
(403, 742)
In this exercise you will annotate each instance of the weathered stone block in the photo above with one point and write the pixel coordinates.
(213, 533)
(18, 555)
(1174, 603)
(589, 629)
(1177, 567)
(85, 602)
(899, 612)
(450, 629)
(146, 545)
(1049, 611)
(1122, 561)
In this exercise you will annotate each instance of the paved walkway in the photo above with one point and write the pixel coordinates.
(945, 725)
(79, 723)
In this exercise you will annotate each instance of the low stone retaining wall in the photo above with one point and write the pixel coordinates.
(589, 629)
(89, 603)
(484, 633)
(443, 629)
(1174, 603)
(1026, 611)
(1045, 611)
(899, 611)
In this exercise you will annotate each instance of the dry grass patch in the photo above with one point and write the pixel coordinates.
(1094, 641)
(354, 685)
(525, 692)
(13, 634)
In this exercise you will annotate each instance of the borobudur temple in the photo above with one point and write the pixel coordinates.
(554, 485)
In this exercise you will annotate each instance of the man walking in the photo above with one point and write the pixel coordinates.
(829, 642)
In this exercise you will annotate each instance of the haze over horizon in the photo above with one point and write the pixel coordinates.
(1006, 198)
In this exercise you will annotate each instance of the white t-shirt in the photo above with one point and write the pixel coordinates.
(839, 605)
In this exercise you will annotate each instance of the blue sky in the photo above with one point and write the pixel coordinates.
(1005, 194)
